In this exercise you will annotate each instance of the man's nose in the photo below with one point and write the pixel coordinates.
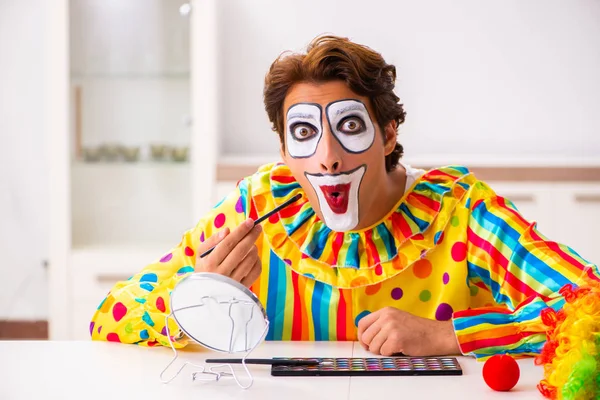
(329, 153)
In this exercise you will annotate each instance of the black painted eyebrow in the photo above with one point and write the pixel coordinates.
(302, 116)
(353, 107)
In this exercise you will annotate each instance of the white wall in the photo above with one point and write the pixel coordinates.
(23, 179)
(506, 77)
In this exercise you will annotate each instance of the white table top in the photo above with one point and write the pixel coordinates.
(99, 370)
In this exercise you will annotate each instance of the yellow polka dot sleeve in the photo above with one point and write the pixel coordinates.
(134, 310)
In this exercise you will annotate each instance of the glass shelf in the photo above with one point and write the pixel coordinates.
(130, 94)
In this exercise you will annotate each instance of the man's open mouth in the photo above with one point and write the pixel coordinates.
(338, 193)
(337, 197)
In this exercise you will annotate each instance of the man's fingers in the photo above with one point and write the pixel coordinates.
(390, 348)
(208, 263)
(377, 342)
(365, 322)
(212, 241)
(227, 245)
(253, 274)
(239, 252)
(245, 266)
(367, 336)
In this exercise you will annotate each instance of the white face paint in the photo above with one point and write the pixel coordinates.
(351, 124)
(338, 197)
(303, 129)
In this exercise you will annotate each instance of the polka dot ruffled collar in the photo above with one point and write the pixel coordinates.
(356, 258)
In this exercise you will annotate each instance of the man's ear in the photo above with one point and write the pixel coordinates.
(390, 136)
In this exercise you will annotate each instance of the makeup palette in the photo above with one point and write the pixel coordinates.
(371, 367)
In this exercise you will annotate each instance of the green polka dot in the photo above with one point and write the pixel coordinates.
(474, 290)
(454, 221)
(128, 328)
(425, 295)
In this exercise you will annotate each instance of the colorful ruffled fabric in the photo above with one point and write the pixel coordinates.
(451, 249)
(571, 355)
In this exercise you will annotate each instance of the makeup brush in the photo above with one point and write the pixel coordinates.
(261, 219)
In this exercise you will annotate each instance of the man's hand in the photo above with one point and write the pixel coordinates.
(389, 331)
(236, 255)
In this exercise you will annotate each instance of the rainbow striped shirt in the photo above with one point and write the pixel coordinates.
(451, 249)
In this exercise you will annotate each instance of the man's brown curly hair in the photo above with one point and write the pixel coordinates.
(331, 58)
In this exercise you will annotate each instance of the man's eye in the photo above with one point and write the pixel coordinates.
(351, 125)
(303, 131)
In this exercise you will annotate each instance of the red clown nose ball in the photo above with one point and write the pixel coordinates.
(501, 372)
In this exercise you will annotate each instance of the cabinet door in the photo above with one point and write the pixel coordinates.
(533, 200)
(130, 122)
(130, 138)
(580, 211)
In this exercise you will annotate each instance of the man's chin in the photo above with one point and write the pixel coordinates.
(340, 222)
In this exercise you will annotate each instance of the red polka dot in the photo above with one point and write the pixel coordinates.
(219, 220)
(119, 311)
(160, 304)
(459, 251)
(152, 343)
(422, 268)
(372, 289)
(113, 337)
(188, 251)
(458, 191)
(378, 269)
(274, 218)
(418, 236)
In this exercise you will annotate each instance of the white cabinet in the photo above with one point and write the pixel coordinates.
(131, 117)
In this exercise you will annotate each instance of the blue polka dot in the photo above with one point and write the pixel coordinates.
(147, 286)
(310, 276)
(101, 304)
(149, 278)
(437, 236)
(141, 301)
(146, 318)
(361, 316)
(144, 334)
(469, 202)
(185, 270)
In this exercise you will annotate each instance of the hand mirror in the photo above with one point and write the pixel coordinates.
(219, 313)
